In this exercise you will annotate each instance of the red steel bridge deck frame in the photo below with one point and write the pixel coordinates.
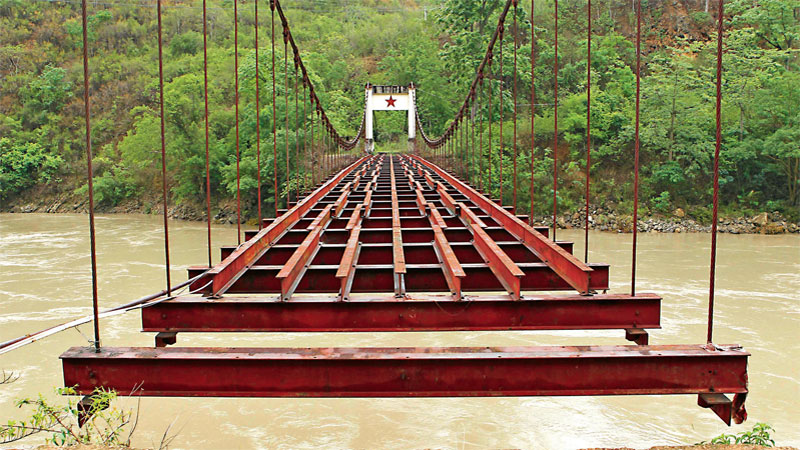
(399, 244)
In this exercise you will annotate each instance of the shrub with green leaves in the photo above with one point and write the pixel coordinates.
(106, 425)
(23, 164)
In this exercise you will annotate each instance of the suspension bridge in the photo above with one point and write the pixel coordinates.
(403, 242)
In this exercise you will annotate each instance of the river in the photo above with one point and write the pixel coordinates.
(45, 280)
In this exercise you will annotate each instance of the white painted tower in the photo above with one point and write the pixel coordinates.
(390, 98)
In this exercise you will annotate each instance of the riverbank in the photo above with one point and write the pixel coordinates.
(600, 218)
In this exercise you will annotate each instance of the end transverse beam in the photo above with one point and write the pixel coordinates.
(409, 372)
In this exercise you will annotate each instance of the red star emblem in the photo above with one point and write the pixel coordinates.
(390, 101)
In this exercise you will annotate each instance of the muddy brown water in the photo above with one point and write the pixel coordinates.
(45, 280)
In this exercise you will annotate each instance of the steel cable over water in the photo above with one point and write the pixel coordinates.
(22, 341)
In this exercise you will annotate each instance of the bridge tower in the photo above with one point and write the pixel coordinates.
(390, 98)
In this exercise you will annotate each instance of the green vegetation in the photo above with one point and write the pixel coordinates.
(105, 425)
(759, 435)
(437, 45)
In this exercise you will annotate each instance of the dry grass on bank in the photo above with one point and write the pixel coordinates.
(705, 447)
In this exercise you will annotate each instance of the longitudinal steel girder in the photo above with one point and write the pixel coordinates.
(419, 230)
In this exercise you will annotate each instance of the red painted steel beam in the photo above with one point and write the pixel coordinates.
(383, 312)
(231, 267)
(367, 202)
(469, 216)
(453, 272)
(436, 216)
(421, 202)
(408, 372)
(348, 263)
(397, 234)
(355, 217)
(294, 268)
(506, 271)
(447, 199)
(378, 278)
(575, 272)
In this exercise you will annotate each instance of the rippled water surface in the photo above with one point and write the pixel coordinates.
(45, 279)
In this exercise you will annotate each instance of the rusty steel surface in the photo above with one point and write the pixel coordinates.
(576, 273)
(231, 267)
(397, 244)
(419, 312)
(420, 230)
(409, 372)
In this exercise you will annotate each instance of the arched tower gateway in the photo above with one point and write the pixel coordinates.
(390, 98)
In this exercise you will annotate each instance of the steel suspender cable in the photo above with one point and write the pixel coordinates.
(312, 152)
(258, 127)
(588, 125)
(461, 147)
(514, 201)
(236, 97)
(274, 119)
(718, 144)
(89, 175)
(163, 148)
(305, 133)
(480, 139)
(501, 105)
(555, 126)
(205, 100)
(636, 146)
(470, 142)
(286, 104)
(489, 137)
(533, 115)
(472, 127)
(296, 131)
